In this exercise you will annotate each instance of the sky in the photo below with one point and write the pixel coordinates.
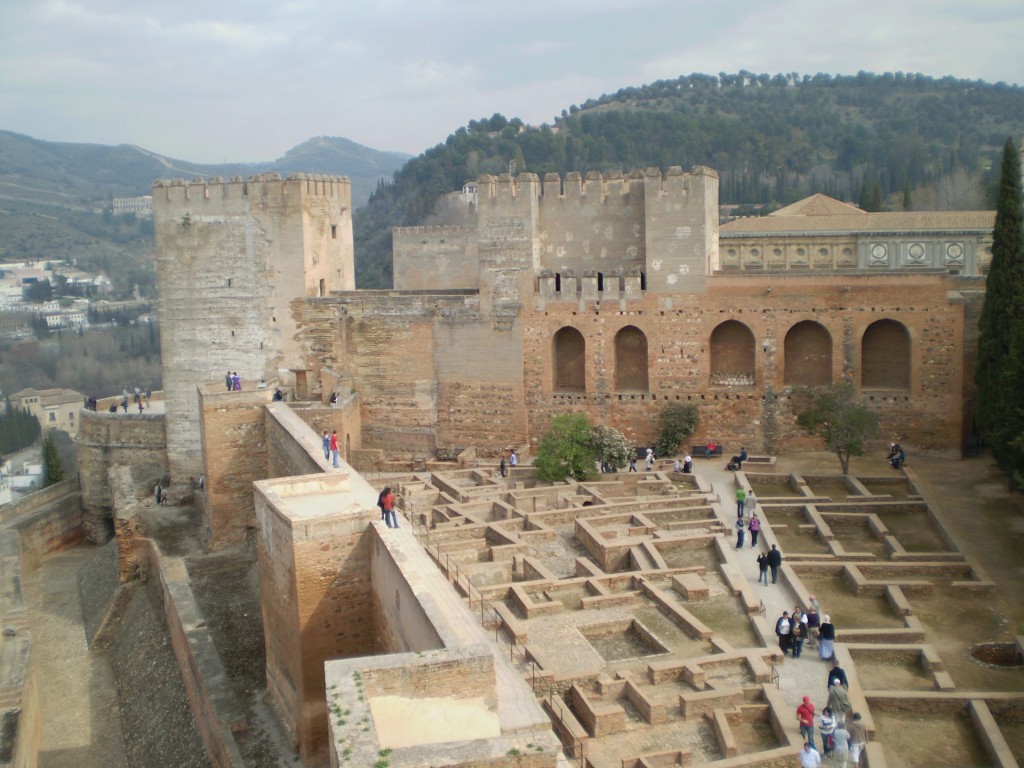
(215, 81)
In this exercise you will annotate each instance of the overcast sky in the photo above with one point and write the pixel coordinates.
(246, 80)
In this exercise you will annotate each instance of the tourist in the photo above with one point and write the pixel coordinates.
(837, 675)
(736, 462)
(327, 446)
(783, 628)
(649, 461)
(826, 638)
(632, 462)
(159, 493)
(858, 738)
(897, 461)
(741, 497)
(687, 464)
(805, 718)
(124, 401)
(755, 529)
(236, 382)
(334, 399)
(839, 703)
(334, 449)
(751, 503)
(826, 724)
(841, 745)
(774, 562)
(228, 380)
(740, 530)
(798, 634)
(278, 395)
(809, 758)
(387, 504)
(501, 466)
(813, 624)
(140, 405)
(762, 567)
(710, 449)
(677, 466)
(513, 462)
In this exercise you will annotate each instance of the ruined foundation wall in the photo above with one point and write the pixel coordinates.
(105, 440)
(47, 521)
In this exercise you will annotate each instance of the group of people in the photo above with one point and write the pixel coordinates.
(685, 465)
(386, 504)
(232, 382)
(843, 740)
(513, 462)
(770, 560)
(331, 449)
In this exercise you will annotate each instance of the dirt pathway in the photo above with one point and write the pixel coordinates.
(81, 722)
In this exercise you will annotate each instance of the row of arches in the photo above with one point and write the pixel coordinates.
(807, 357)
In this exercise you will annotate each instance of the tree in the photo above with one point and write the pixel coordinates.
(53, 469)
(567, 449)
(610, 446)
(1000, 362)
(838, 419)
(678, 422)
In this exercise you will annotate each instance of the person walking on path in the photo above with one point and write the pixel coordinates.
(774, 561)
(783, 628)
(805, 717)
(387, 504)
(841, 746)
(501, 466)
(755, 527)
(741, 497)
(826, 638)
(513, 462)
(826, 725)
(334, 448)
(751, 504)
(740, 529)
(813, 624)
(798, 633)
(837, 675)
(327, 446)
(809, 757)
(632, 462)
(762, 567)
(839, 703)
(858, 738)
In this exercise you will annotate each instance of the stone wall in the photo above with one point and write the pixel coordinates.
(47, 521)
(235, 254)
(106, 440)
(316, 593)
(22, 732)
(235, 453)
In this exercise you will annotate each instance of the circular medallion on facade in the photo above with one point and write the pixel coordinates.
(916, 251)
(879, 252)
(954, 252)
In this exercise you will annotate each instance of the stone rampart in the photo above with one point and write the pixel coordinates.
(22, 732)
(47, 521)
(106, 440)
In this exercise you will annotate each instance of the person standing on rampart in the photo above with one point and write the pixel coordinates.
(327, 446)
(387, 504)
(774, 562)
(334, 448)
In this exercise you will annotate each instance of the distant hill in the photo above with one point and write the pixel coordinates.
(882, 141)
(53, 195)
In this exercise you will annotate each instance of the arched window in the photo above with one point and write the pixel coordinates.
(808, 355)
(631, 360)
(569, 361)
(732, 355)
(885, 356)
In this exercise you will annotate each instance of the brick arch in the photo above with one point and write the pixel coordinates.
(808, 351)
(885, 356)
(569, 360)
(732, 354)
(631, 360)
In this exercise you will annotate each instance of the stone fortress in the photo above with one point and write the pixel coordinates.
(509, 623)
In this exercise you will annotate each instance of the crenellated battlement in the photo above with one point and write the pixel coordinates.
(595, 186)
(260, 185)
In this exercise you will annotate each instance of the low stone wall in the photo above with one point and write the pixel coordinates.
(22, 728)
(47, 521)
(217, 709)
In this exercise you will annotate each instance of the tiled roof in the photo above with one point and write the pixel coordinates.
(820, 213)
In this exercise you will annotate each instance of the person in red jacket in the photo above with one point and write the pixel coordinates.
(805, 717)
(387, 503)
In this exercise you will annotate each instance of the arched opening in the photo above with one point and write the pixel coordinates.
(885, 356)
(732, 355)
(808, 355)
(631, 360)
(569, 361)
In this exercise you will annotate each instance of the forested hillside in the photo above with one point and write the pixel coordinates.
(883, 141)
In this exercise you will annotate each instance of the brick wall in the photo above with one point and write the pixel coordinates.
(105, 440)
(47, 521)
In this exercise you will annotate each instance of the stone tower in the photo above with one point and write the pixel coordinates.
(233, 258)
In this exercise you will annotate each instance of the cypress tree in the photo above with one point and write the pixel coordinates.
(53, 469)
(999, 367)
